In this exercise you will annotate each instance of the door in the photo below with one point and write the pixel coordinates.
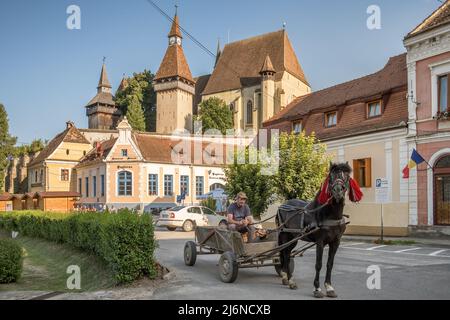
(196, 215)
(442, 191)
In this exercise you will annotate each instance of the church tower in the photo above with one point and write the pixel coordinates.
(174, 87)
(268, 89)
(101, 110)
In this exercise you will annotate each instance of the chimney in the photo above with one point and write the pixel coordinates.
(69, 124)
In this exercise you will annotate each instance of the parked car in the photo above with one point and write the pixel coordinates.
(188, 217)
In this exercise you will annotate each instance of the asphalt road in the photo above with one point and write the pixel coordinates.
(406, 272)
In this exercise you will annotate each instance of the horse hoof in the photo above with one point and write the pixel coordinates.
(331, 294)
(285, 282)
(293, 286)
(318, 294)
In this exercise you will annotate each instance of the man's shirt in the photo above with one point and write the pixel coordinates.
(239, 213)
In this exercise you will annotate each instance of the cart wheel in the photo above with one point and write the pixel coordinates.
(291, 267)
(190, 253)
(228, 267)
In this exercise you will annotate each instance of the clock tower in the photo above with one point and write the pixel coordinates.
(174, 87)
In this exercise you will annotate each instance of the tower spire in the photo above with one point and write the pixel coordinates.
(103, 84)
(218, 53)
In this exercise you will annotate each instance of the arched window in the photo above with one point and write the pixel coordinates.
(444, 162)
(125, 183)
(249, 112)
(216, 186)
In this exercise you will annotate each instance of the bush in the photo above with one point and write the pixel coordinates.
(209, 203)
(124, 240)
(11, 261)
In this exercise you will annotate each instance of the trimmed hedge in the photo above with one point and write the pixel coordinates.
(11, 261)
(124, 240)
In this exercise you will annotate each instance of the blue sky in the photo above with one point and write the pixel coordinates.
(48, 73)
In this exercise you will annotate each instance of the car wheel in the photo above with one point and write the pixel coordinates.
(223, 224)
(190, 253)
(171, 228)
(188, 226)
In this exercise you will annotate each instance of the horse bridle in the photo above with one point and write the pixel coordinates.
(342, 180)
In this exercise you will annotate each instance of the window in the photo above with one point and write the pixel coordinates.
(216, 186)
(80, 182)
(35, 176)
(331, 119)
(64, 174)
(94, 185)
(297, 127)
(87, 187)
(184, 185)
(194, 210)
(102, 185)
(374, 109)
(67, 151)
(199, 185)
(125, 183)
(232, 107)
(124, 153)
(249, 112)
(84, 152)
(443, 93)
(152, 184)
(168, 185)
(362, 172)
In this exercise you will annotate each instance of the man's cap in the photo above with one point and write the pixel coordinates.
(241, 195)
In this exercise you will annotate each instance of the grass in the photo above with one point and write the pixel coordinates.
(45, 266)
(395, 242)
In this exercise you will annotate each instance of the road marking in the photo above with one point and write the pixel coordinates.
(407, 253)
(377, 247)
(434, 254)
(351, 244)
(405, 250)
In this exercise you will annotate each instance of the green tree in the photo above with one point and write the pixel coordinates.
(139, 92)
(215, 114)
(7, 143)
(35, 146)
(250, 179)
(302, 168)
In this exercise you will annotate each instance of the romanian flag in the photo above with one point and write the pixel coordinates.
(416, 159)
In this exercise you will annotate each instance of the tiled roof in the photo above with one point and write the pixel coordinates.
(5, 196)
(200, 84)
(71, 135)
(243, 60)
(349, 100)
(438, 18)
(267, 66)
(174, 64)
(94, 156)
(393, 75)
(102, 98)
(175, 29)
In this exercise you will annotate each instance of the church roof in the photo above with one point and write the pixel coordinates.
(104, 82)
(174, 64)
(438, 18)
(243, 60)
(71, 134)
(175, 30)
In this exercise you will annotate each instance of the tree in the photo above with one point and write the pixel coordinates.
(35, 146)
(302, 168)
(249, 179)
(215, 114)
(139, 92)
(7, 143)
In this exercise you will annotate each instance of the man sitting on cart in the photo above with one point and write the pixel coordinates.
(239, 217)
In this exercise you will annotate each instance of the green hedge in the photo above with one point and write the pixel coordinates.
(11, 261)
(124, 240)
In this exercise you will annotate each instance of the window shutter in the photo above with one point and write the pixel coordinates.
(368, 171)
(356, 171)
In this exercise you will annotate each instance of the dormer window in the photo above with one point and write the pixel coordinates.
(374, 109)
(297, 127)
(331, 119)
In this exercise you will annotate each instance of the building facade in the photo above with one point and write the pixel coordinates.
(428, 61)
(362, 122)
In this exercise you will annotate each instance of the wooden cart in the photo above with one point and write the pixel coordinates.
(235, 253)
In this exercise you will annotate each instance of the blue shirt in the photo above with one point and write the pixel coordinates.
(239, 213)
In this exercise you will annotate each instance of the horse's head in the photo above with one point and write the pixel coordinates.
(339, 180)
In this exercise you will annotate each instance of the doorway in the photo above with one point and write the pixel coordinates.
(442, 191)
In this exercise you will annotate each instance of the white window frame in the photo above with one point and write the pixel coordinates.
(437, 69)
(117, 183)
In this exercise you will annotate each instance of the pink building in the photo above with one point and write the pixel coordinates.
(428, 61)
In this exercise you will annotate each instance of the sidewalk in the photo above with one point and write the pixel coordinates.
(422, 241)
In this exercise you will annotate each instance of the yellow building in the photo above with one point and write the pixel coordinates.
(52, 170)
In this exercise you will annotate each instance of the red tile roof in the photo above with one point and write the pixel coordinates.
(174, 64)
(439, 17)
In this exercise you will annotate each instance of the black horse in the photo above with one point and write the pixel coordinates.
(324, 212)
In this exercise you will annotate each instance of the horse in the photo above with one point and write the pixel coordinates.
(326, 213)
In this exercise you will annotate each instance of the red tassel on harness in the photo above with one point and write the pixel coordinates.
(324, 195)
(355, 193)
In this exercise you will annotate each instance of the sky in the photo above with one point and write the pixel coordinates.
(48, 72)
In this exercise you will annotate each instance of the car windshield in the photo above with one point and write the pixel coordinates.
(178, 208)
